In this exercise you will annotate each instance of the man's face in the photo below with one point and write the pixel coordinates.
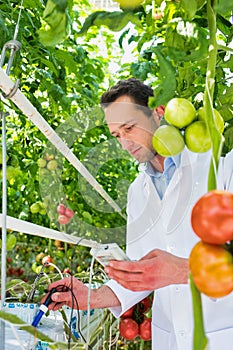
(132, 127)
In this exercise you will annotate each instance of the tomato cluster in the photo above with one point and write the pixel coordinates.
(49, 162)
(135, 321)
(65, 214)
(184, 126)
(211, 259)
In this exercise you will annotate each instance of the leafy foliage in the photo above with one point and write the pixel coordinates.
(172, 44)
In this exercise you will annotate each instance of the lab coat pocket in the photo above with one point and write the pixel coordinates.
(218, 313)
(162, 339)
(221, 339)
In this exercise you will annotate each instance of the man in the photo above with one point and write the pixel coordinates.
(159, 234)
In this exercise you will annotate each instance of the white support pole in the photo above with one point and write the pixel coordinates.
(6, 85)
(41, 231)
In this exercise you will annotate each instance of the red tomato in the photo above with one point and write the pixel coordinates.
(212, 269)
(145, 329)
(212, 217)
(69, 213)
(47, 259)
(61, 209)
(145, 304)
(128, 328)
(63, 219)
(128, 313)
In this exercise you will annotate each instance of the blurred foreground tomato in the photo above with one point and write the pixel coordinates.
(212, 217)
(212, 269)
(128, 328)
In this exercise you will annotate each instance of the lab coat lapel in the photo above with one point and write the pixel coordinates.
(178, 194)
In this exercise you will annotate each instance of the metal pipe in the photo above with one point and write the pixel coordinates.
(4, 224)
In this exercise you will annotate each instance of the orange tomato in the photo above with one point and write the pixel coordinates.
(212, 269)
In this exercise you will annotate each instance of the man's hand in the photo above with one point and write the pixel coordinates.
(100, 298)
(155, 270)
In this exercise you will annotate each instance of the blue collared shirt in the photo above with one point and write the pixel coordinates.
(161, 180)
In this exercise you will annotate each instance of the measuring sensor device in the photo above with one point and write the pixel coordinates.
(43, 308)
(105, 252)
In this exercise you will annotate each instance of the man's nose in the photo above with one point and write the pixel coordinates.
(125, 143)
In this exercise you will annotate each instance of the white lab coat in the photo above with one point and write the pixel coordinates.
(165, 224)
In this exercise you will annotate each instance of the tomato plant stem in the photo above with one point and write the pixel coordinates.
(215, 135)
(141, 345)
(200, 340)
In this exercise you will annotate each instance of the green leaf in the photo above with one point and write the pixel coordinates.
(225, 103)
(115, 20)
(189, 7)
(141, 70)
(13, 319)
(57, 27)
(167, 81)
(224, 7)
(187, 41)
(61, 4)
(200, 4)
(228, 135)
(185, 79)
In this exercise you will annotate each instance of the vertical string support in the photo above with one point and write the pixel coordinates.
(4, 225)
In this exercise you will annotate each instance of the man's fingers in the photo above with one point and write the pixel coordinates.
(124, 266)
(61, 297)
(124, 275)
(55, 306)
(66, 282)
(151, 254)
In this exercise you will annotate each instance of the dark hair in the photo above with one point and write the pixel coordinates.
(132, 87)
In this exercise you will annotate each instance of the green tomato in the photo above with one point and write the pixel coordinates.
(35, 208)
(197, 137)
(129, 3)
(179, 112)
(41, 162)
(168, 141)
(10, 241)
(43, 211)
(219, 121)
(52, 165)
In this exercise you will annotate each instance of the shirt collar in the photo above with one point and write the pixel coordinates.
(169, 161)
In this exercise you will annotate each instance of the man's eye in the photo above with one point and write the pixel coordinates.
(129, 127)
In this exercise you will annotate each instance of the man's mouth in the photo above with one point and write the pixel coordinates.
(135, 151)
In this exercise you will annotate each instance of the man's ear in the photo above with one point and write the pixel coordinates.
(158, 114)
(160, 110)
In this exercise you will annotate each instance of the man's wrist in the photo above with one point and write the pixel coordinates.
(103, 297)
